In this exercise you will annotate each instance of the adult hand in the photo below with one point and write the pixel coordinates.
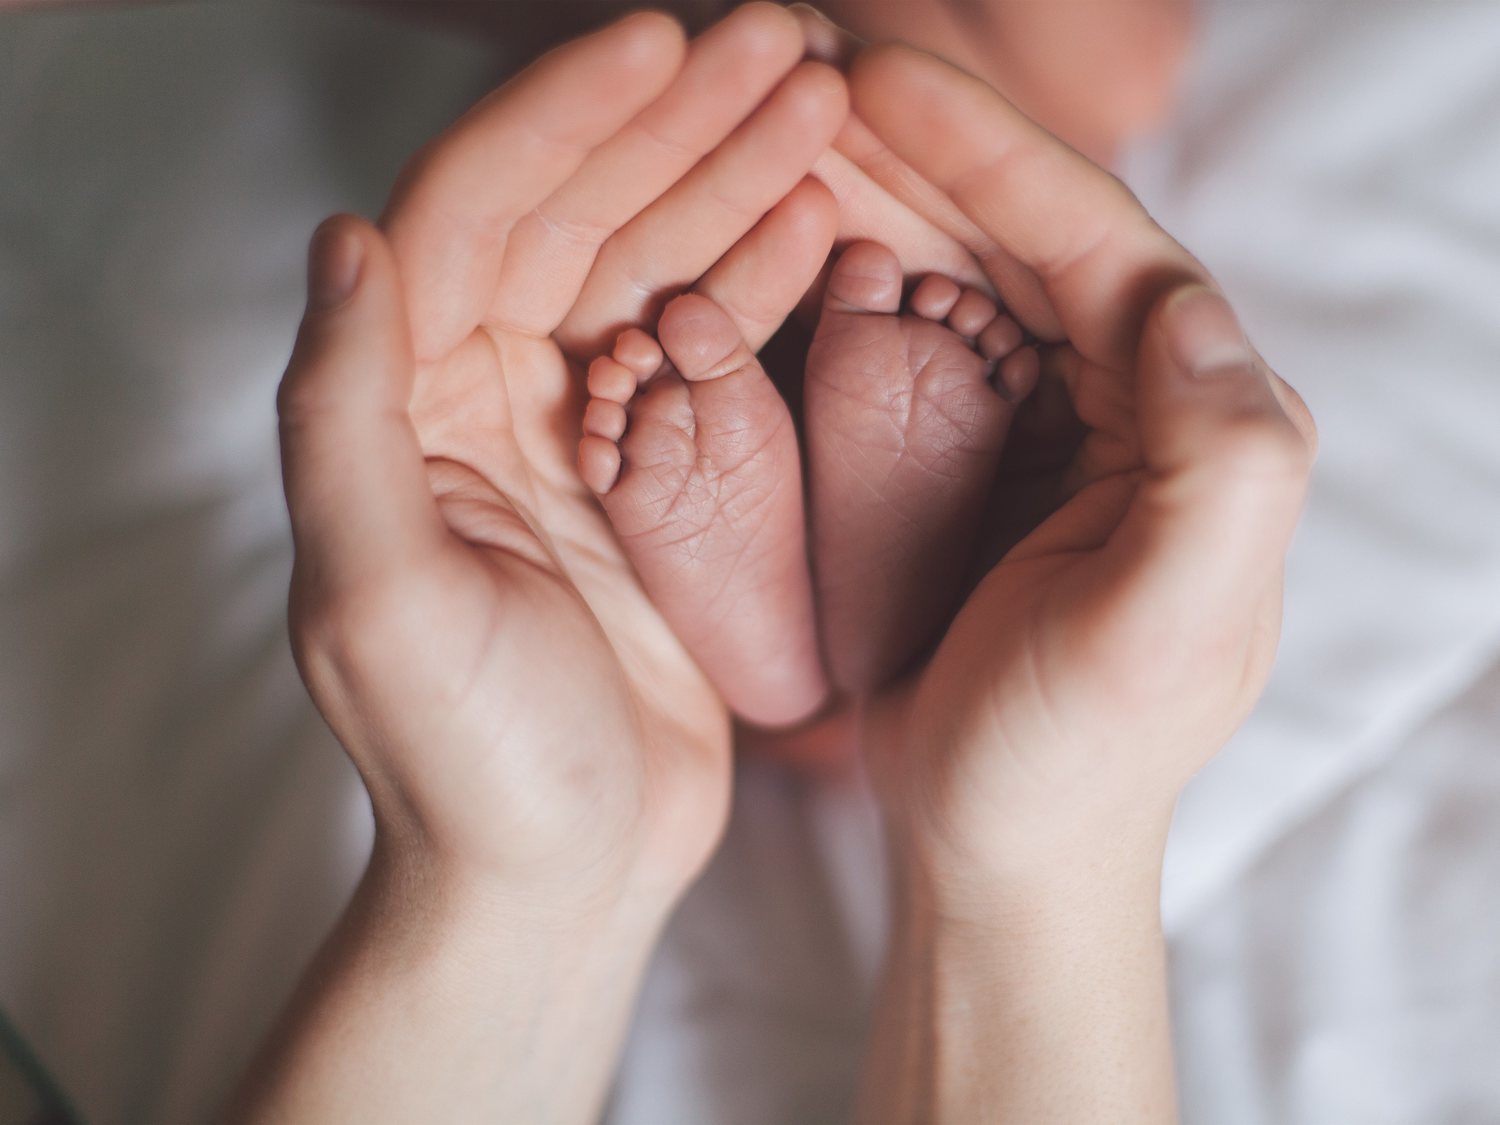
(460, 607)
(547, 767)
(1117, 646)
(1029, 770)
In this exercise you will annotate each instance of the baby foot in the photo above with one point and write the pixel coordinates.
(907, 414)
(694, 456)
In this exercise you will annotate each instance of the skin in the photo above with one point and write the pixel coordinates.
(528, 850)
(1094, 72)
(455, 584)
(1051, 58)
(905, 429)
(1028, 772)
(695, 457)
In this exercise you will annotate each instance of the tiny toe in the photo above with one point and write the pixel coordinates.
(866, 279)
(935, 296)
(971, 313)
(1018, 374)
(1002, 337)
(598, 463)
(603, 418)
(611, 380)
(638, 352)
(701, 340)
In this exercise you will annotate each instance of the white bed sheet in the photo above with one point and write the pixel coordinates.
(176, 829)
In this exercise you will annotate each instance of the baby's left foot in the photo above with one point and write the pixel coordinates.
(908, 408)
(694, 456)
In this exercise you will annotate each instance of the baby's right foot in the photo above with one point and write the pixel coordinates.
(907, 414)
(694, 456)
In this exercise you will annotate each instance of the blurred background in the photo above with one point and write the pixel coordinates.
(177, 829)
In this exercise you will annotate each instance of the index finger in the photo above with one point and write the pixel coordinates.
(451, 214)
(1100, 258)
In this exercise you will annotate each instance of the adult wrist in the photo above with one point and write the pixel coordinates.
(973, 854)
(542, 914)
(1024, 994)
(472, 998)
(1013, 883)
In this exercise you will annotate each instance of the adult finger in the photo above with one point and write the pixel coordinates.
(1226, 467)
(675, 240)
(868, 212)
(1100, 259)
(729, 71)
(354, 474)
(825, 40)
(452, 212)
(903, 195)
(875, 196)
(764, 276)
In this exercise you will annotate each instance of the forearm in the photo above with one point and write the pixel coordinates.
(452, 1003)
(1040, 997)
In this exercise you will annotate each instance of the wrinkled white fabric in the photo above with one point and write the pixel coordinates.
(177, 830)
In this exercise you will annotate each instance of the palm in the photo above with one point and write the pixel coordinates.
(611, 173)
(537, 570)
(1054, 645)
(1064, 486)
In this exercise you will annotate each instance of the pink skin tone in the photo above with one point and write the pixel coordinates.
(704, 489)
(1094, 73)
(695, 457)
(457, 587)
(907, 415)
(456, 583)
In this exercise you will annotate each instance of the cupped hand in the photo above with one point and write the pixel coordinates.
(460, 610)
(1113, 649)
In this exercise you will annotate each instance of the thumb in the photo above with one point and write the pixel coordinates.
(354, 475)
(1227, 452)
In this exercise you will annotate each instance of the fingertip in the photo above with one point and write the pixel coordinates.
(811, 199)
(355, 312)
(819, 95)
(810, 213)
(767, 30)
(335, 260)
(1207, 405)
(1202, 334)
(1298, 411)
(649, 38)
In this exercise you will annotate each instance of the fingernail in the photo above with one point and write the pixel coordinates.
(1203, 333)
(334, 259)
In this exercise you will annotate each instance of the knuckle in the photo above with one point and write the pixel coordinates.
(582, 231)
(670, 147)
